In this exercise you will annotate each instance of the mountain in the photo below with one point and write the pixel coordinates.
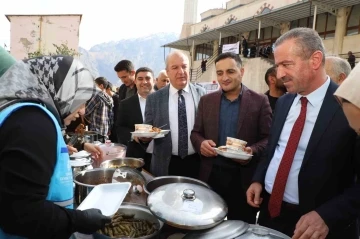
(143, 51)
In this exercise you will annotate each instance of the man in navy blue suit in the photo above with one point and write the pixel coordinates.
(304, 186)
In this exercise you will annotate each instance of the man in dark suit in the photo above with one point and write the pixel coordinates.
(132, 112)
(308, 171)
(174, 107)
(237, 112)
(125, 70)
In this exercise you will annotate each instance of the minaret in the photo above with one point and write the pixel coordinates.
(190, 11)
(190, 17)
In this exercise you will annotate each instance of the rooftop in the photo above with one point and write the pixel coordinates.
(40, 15)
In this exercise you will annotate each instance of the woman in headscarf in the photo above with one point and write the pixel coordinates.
(37, 97)
(348, 94)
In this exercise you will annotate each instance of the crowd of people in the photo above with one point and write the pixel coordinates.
(302, 134)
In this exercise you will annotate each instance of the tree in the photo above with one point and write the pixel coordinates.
(62, 49)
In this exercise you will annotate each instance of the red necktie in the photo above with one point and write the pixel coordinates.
(282, 174)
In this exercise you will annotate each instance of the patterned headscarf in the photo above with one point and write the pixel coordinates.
(60, 82)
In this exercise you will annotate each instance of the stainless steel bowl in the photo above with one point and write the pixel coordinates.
(140, 212)
(85, 181)
(137, 163)
(160, 181)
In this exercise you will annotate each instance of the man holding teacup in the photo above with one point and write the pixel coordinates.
(240, 119)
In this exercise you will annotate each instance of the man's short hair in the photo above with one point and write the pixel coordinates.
(231, 55)
(307, 41)
(339, 65)
(270, 72)
(109, 86)
(124, 65)
(101, 81)
(144, 69)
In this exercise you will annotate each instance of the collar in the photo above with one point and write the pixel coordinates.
(174, 91)
(316, 97)
(140, 97)
(239, 96)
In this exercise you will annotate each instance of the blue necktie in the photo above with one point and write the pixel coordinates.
(183, 130)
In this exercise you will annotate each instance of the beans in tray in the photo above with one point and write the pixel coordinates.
(123, 225)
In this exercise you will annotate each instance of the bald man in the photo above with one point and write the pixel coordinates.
(162, 80)
(337, 68)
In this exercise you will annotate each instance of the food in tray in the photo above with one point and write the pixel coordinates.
(146, 128)
(118, 165)
(123, 225)
(236, 144)
(154, 129)
(80, 129)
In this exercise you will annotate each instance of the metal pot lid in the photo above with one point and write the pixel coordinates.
(257, 231)
(225, 230)
(187, 206)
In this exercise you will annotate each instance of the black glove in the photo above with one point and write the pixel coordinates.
(91, 220)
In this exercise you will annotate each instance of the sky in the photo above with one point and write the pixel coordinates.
(108, 20)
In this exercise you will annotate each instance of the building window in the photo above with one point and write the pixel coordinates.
(203, 51)
(325, 24)
(268, 35)
(229, 40)
(353, 26)
(303, 22)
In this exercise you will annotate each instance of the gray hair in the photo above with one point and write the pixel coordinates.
(306, 39)
(179, 53)
(339, 65)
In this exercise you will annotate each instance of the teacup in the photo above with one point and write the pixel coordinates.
(235, 144)
(143, 127)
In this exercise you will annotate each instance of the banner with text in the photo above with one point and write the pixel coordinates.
(231, 48)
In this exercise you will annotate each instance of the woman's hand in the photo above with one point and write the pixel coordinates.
(71, 149)
(95, 151)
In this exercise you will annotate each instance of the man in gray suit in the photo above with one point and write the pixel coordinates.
(174, 107)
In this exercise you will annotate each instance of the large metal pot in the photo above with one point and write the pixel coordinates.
(187, 206)
(160, 181)
(236, 230)
(140, 212)
(137, 163)
(86, 180)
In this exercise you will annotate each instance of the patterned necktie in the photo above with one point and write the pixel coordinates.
(183, 130)
(282, 174)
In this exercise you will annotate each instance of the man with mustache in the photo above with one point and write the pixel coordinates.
(237, 112)
(301, 183)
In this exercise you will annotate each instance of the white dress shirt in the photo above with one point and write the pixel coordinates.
(315, 100)
(173, 117)
(142, 101)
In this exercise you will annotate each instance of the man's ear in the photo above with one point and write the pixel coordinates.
(342, 77)
(272, 80)
(132, 73)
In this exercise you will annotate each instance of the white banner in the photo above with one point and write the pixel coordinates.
(231, 48)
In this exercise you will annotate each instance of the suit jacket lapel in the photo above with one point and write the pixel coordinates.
(279, 121)
(164, 104)
(214, 117)
(195, 96)
(327, 111)
(244, 104)
(138, 114)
